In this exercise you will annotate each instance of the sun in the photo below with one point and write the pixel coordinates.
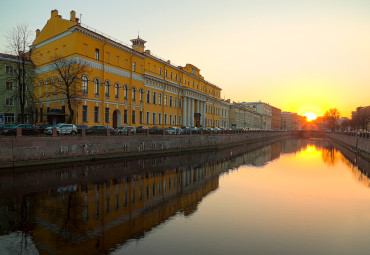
(310, 116)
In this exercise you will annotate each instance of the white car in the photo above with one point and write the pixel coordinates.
(172, 130)
(61, 128)
(124, 130)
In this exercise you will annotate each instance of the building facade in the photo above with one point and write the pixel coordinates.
(275, 118)
(242, 116)
(10, 70)
(121, 85)
(265, 110)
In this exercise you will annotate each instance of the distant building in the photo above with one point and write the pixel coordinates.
(289, 121)
(264, 109)
(9, 97)
(242, 116)
(275, 118)
(225, 113)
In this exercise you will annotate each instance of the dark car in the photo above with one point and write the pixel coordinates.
(80, 127)
(141, 129)
(27, 129)
(155, 130)
(102, 130)
(43, 127)
(5, 127)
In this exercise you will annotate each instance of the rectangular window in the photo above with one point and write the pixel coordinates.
(141, 117)
(160, 98)
(84, 113)
(41, 115)
(171, 75)
(170, 119)
(175, 105)
(148, 96)
(147, 117)
(107, 115)
(176, 77)
(175, 119)
(9, 85)
(96, 114)
(154, 97)
(165, 100)
(160, 118)
(125, 117)
(165, 118)
(170, 101)
(165, 73)
(154, 118)
(9, 118)
(133, 117)
(180, 103)
(9, 70)
(9, 101)
(160, 71)
(97, 54)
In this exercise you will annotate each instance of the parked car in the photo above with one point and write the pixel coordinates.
(187, 130)
(141, 129)
(173, 130)
(65, 129)
(27, 129)
(124, 130)
(80, 127)
(43, 127)
(216, 130)
(203, 129)
(98, 130)
(5, 127)
(155, 130)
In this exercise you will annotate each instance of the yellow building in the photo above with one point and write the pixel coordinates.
(121, 85)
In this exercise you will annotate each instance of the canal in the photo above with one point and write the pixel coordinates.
(296, 196)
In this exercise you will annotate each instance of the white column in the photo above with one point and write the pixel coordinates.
(201, 112)
(188, 113)
(192, 112)
(198, 102)
(204, 113)
(184, 106)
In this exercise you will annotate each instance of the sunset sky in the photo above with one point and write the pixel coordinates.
(300, 56)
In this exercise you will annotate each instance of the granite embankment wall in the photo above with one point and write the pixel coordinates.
(356, 143)
(23, 150)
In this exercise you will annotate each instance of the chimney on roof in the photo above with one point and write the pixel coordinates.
(54, 13)
(147, 52)
(73, 16)
(169, 62)
(37, 32)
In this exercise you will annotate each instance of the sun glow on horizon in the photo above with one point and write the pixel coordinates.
(310, 116)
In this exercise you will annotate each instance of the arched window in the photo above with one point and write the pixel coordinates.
(107, 88)
(96, 86)
(125, 92)
(133, 94)
(141, 95)
(116, 90)
(85, 82)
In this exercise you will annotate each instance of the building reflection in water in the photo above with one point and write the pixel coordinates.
(97, 207)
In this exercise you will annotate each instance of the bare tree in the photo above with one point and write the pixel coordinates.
(19, 39)
(69, 72)
(331, 116)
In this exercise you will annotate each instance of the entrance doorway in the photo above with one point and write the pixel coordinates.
(116, 118)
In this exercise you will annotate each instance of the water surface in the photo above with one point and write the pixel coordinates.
(288, 197)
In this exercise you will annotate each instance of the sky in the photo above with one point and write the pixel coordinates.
(299, 56)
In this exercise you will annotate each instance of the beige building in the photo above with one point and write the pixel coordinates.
(242, 116)
(275, 118)
(290, 121)
(264, 109)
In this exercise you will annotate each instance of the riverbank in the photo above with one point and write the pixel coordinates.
(356, 144)
(27, 151)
